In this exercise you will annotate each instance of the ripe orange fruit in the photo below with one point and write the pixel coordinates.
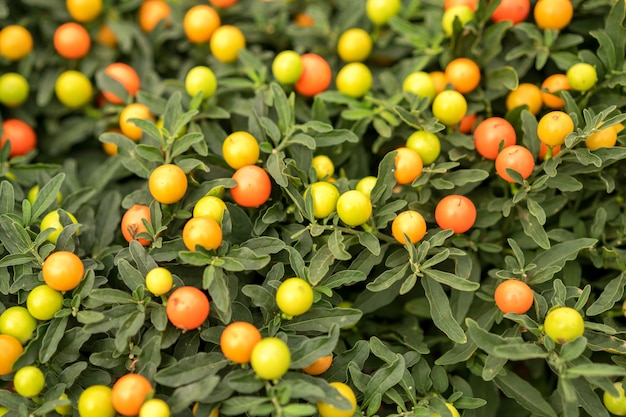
(320, 365)
(238, 339)
(316, 75)
(15, 42)
(200, 22)
(202, 231)
(134, 111)
(553, 14)
(552, 84)
(525, 94)
(84, 10)
(129, 393)
(11, 349)
(151, 13)
(125, 75)
(168, 183)
(106, 36)
(513, 296)
(132, 223)
(187, 308)
(463, 74)
(71, 40)
(63, 270)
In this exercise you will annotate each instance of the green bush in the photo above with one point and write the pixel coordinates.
(410, 326)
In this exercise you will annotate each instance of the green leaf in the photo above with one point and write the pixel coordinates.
(130, 275)
(384, 379)
(283, 108)
(613, 292)
(388, 278)
(191, 369)
(214, 280)
(242, 405)
(343, 278)
(595, 370)
(321, 319)
(311, 349)
(337, 246)
(276, 167)
(335, 137)
(182, 144)
(108, 296)
(451, 280)
(533, 228)
(440, 310)
(556, 256)
(52, 337)
(47, 196)
(524, 393)
(129, 328)
(573, 349)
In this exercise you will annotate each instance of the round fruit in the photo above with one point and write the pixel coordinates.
(43, 302)
(380, 11)
(354, 45)
(324, 196)
(159, 281)
(34, 192)
(13, 89)
(73, 89)
(515, 11)
(328, 410)
(316, 75)
(29, 381)
(410, 223)
(563, 324)
(134, 111)
(552, 84)
(514, 296)
(52, 220)
(66, 409)
(201, 78)
(553, 14)
(202, 231)
(84, 10)
(455, 212)
(408, 165)
(210, 206)
(366, 184)
(354, 79)
(294, 296)
(106, 36)
(129, 393)
(461, 12)
(168, 183)
(132, 223)
(604, 138)
(223, 3)
(11, 349)
(449, 107)
(324, 167)
(320, 365)
(421, 84)
(237, 341)
(151, 12)
(15, 42)
(439, 80)
(16, 321)
(517, 158)
(492, 135)
(468, 123)
(463, 74)
(125, 75)
(96, 401)
(71, 40)
(472, 4)
(187, 308)
(270, 358)
(354, 208)
(553, 127)
(155, 407)
(287, 67)
(22, 137)
(200, 22)
(240, 149)
(62, 270)
(253, 186)
(582, 76)
(616, 405)
(226, 42)
(526, 94)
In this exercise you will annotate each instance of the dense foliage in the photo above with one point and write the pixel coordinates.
(135, 227)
